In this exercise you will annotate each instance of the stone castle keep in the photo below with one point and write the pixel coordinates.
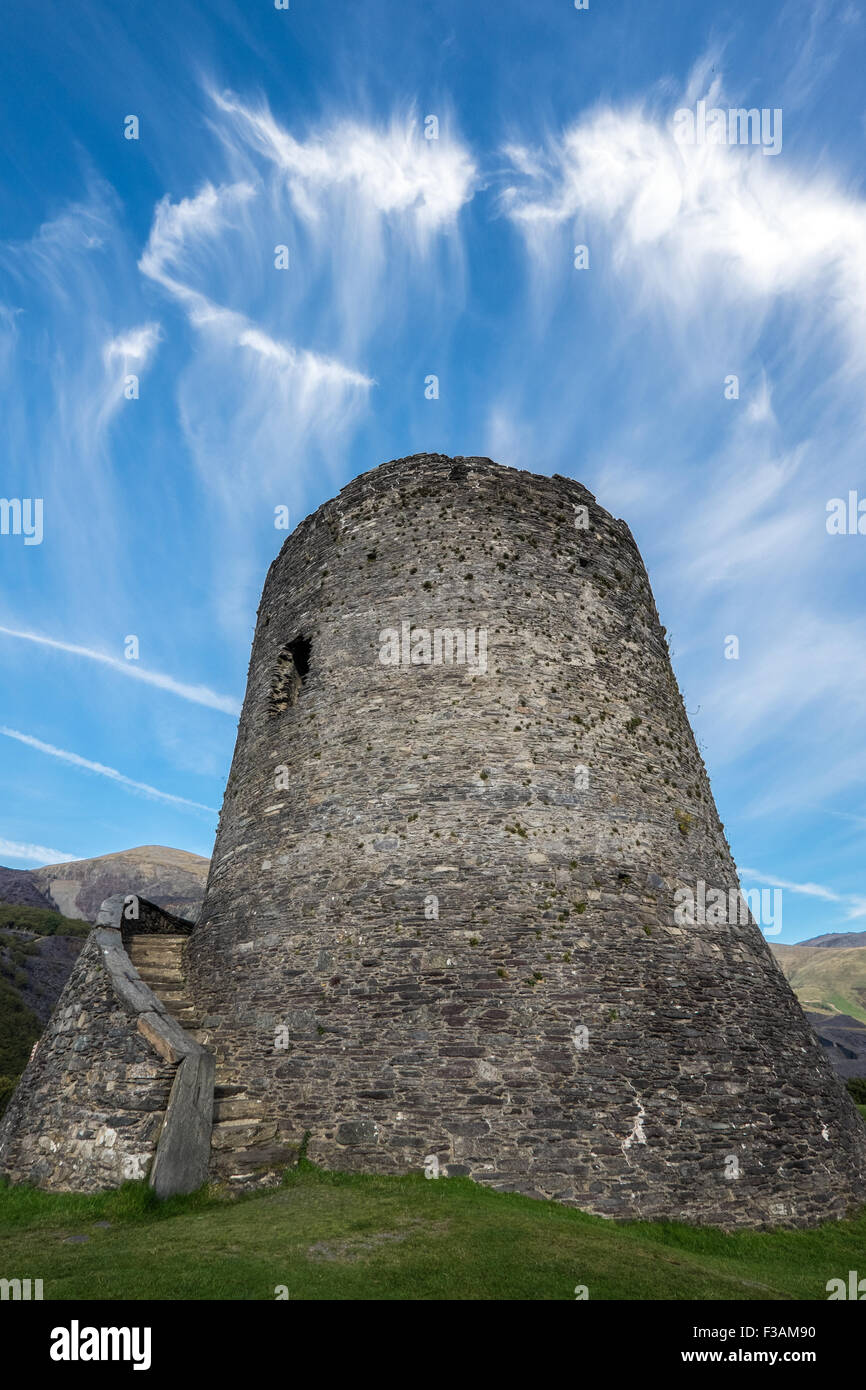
(440, 916)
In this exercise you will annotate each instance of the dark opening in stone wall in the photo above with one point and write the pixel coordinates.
(293, 663)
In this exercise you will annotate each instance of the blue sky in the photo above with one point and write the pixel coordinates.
(409, 256)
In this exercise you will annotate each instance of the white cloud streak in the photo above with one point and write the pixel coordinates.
(75, 760)
(689, 220)
(136, 345)
(394, 169)
(38, 854)
(196, 694)
(278, 384)
(181, 228)
(854, 902)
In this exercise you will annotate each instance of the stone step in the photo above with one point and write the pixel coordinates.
(241, 1133)
(186, 1017)
(184, 1022)
(161, 978)
(172, 997)
(156, 943)
(257, 1164)
(248, 1149)
(146, 954)
(159, 971)
(237, 1108)
(149, 954)
(147, 961)
(171, 959)
(147, 939)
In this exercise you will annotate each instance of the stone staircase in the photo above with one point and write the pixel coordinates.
(247, 1149)
(159, 962)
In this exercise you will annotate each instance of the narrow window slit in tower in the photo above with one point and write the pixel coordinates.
(293, 663)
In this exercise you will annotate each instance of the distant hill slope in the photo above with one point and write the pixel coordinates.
(18, 886)
(837, 938)
(826, 979)
(844, 1040)
(37, 967)
(171, 878)
(830, 983)
(33, 971)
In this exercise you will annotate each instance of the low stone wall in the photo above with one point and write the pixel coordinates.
(116, 1087)
(88, 1110)
(136, 916)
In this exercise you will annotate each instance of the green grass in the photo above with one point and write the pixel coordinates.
(337, 1236)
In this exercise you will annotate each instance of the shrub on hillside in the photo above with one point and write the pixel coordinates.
(7, 1086)
(19, 1029)
(40, 920)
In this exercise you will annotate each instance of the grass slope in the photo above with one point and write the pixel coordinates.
(826, 979)
(335, 1236)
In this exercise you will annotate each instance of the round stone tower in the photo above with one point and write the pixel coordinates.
(471, 908)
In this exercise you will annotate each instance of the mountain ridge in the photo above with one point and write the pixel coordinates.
(836, 938)
(171, 878)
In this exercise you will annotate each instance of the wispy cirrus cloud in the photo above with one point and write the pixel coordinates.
(250, 400)
(136, 345)
(292, 268)
(66, 275)
(179, 231)
(87, 765)
(71, 302)
(196, 694)
(855, 903)
(392, 169)
(686, 222)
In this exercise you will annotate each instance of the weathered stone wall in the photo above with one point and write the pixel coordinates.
(88, 1110)
(414, 877)
(117, 1088)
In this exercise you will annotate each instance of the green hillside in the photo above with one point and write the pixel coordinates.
(19, 1026)
(826, 979)
(19, 1029)
(333, 1236)
(40, 920)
